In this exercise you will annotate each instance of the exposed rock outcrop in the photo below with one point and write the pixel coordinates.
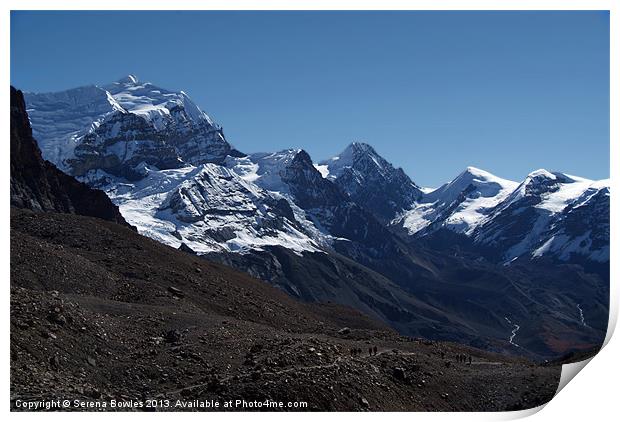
(38, 185)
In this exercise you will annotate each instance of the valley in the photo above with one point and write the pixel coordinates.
(447, 264)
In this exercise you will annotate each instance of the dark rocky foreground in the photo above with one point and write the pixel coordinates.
(37, 184)
(101, 313)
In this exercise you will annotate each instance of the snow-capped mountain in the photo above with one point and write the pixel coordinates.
(208, 208)
(161, 159)
(118, 126)
(549, 214)
(322, 207)
(213, 206)
(460, 205)
(582, 229)
(371, 181)
(149, 148)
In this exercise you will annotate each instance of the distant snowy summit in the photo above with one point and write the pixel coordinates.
(459, 205)
(371, 181)
(176, 177)
(529, 219)
(122, 125)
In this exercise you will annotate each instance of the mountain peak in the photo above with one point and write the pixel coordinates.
(475, 171)
(551, 177)
(476, 181)
(474, 174)
(128, 80)
(360, 147)
(371, 180)
(541, 173)
(356, 154)
(169, 125)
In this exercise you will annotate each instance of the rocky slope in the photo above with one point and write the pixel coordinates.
(156, 323)
(38, 185)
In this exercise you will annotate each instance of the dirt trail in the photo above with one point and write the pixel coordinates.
(284, 371)
(333, 364)
(239, 376)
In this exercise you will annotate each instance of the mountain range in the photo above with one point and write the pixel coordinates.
(103, 315)
(476, 260)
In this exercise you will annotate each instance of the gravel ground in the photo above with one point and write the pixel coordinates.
(101, 314)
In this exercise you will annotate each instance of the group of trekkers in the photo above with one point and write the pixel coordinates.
(372, 351)
(461, 358)
(356, 351)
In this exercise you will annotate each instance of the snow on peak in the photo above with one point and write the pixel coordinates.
(478, 173)
(268, 167)
(361, 147)
(357, 150)
(545, 176)
(209, 208)
(265, 168)
(371, 181)
(129, 79)
(541, 173)
(353, 156)
(553, 190)
(477, 183)
(153, 103)
(567, 191)
(460, 205)
(61, 120)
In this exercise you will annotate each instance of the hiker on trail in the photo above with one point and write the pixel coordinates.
(470, 359)
(375, 350)
(370, 351)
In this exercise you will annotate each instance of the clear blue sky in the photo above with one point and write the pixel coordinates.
(434, 92)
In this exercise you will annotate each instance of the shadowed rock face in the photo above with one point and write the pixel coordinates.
(38, 185)
(372, 182)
